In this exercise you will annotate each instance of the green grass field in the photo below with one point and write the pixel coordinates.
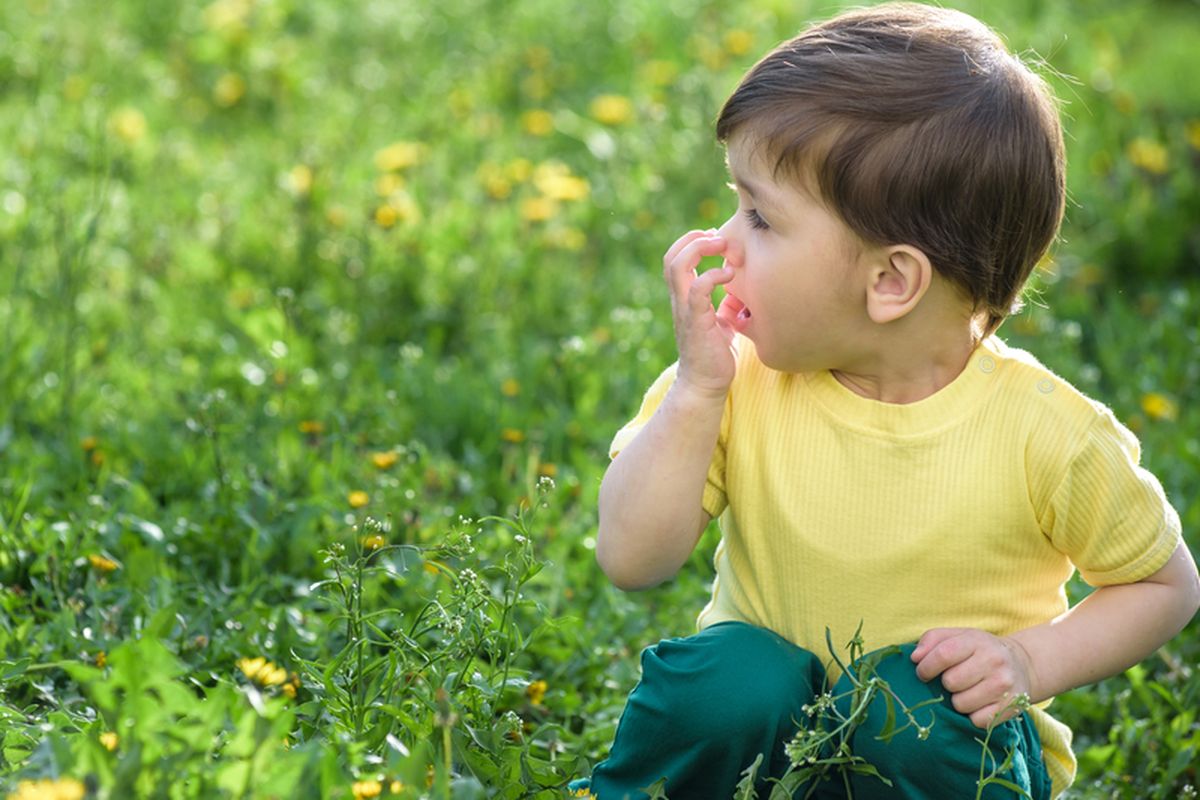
(317, 319)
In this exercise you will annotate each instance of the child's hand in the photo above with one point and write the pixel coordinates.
(704, 336)
(982, 672)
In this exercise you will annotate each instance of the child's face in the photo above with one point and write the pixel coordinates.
(796, 269)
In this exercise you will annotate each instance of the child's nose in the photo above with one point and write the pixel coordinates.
(733, 242)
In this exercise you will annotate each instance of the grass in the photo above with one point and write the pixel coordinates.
(317, 320)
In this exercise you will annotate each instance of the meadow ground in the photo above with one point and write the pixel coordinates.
(317, 319)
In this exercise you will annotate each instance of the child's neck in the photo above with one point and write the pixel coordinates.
(900, 373)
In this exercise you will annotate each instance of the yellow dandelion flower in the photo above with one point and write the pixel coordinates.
(290, 691)
(432, 568)
(102, 564)
(555, 181)
(363, 789)
(1193, 134)
(128, 124)
(399, 155)
(312, 427)
(1148, 154)
(262, 672)
(537, 122)
(495, 183)
(396, 787)
(388, 184)
(1159, 407)
(536, 692)
(738, 42)
(583, 792)
(110, 740)
(519, 170)
(49, 789)
(229, 89)
(97, 457)
(386, 216)
(227, 16)
(511, 387)
(385, 459)
(538, 209)
(548, 470)
(358, 498)
(336, 216)
(512, 435)
(101, 659)
(611, 109)
(373, 542)
(299, 180)
(88, 443)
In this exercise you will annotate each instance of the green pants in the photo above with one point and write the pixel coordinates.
(708, 705)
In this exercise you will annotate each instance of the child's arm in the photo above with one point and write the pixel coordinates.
(650, 501)
(1109, 631)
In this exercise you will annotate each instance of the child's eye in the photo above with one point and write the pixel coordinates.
(756, 221)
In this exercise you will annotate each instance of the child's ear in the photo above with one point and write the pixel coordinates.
(898, 279)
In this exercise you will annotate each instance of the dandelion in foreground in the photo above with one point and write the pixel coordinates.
(102, 564)
(49, 789)
(364, 789)
(358, 498)
(262, 672)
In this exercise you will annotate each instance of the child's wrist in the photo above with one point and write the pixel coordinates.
(693, 394)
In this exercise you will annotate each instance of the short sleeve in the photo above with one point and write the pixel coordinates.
(1108, 514)
(714, 500)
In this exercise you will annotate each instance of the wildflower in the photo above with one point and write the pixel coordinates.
(386, 216)
(102, 563)
(400, 207)
(388, 184)
(571, 239)
(101, 659)
(494, 181)
(510, 388)
(538, 209)
(1148, 155)
(537, 122)
(385, 459)
(660, 72)
(555, 181)
(299, 180)
(363, 789)
(88, 443)
(547, 470)
(583, 792)
(738, 42)
(399, 155)
(128, 124)
(1193, 134)
(227, 16)
(1159, 407)
(536, 692)
(262, 672)
(97, 457)
(432, 568)
(49, 789)
(336, 216)
(519, 169)
(312, 427)
(229, 89)
(292, 686)
(110, 740)
(611, 109)
(358, 498)
(373, 542)
(512, 435)
(396, 787)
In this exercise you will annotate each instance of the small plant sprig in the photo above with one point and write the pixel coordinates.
(1021, 704)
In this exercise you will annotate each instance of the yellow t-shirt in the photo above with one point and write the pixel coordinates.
(970, 508)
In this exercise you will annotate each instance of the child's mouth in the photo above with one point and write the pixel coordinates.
(744, 314)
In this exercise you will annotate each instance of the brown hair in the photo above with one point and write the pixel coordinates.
(919, 128)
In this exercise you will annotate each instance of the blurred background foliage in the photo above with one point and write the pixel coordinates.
(269, 267)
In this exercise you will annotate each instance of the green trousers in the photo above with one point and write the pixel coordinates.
(708, 705)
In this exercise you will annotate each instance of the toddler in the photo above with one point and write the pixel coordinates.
(875, 454)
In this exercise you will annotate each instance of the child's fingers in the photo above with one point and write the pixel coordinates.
(683, 241)
(701, 290)
(730, 306)
(680, 271)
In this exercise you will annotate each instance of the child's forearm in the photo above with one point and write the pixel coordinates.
(1111, 630)
(650, 501)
